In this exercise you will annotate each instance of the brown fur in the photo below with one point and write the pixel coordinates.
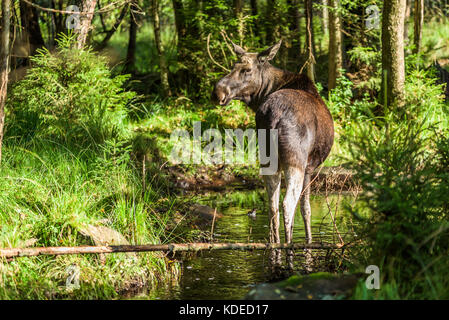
(291, 104)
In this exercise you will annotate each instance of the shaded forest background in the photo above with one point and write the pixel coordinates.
(86, 115)
(164, 43)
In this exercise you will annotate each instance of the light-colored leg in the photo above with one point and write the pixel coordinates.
(305, 207)
(306, 214)
(294, 178)
(273, 186)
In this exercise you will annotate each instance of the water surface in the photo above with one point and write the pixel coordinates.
(231, 274)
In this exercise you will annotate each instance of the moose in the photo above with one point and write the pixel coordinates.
(290, 103)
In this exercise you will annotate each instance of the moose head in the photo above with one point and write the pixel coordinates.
(249, 79)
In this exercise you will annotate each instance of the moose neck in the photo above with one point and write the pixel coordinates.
(274, 79)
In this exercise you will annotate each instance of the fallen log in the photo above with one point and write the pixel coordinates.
(173, 247)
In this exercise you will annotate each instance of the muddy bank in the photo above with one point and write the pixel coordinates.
(220, 178)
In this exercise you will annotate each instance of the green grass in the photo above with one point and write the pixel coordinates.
(48, 192)
(435, 40)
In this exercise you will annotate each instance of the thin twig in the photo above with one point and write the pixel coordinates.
(226, 39)
(212, 228)
(213, 60)
(73, 12)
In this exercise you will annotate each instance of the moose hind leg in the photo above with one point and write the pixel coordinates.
(306, 214)
(294, 178)
(305, 207)
(273, 186)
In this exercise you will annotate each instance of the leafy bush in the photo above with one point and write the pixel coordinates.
(401, 164)
(70, 94)
(344, 107)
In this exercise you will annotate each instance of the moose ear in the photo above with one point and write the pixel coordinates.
(269, 53)
(238, 50)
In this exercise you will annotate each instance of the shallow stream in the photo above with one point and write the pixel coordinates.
(231, 274)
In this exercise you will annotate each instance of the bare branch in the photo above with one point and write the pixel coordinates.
(213, 60)
(107, 8)
(190, 247)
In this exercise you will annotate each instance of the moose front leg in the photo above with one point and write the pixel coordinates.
(273, 186)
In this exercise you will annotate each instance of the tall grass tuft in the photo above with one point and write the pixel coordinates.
(68, 163)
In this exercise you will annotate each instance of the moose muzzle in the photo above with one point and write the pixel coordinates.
(221, 93)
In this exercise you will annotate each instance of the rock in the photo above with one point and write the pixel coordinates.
(102, 235)
(316, 286)
(205, 212)
(27, 243)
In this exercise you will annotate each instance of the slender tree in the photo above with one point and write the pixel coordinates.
(294, 34)
(180, 23)
(110, 32)
(335, 48)
(408, 5)
(238, 6)
(58, 18)
(393, 64)
(85, 21)
(31, 31)
(238, 10)
(160, 48)
(309, 40)
(255, 12)
(271, 23)
(131, 53)
(418, 24)
(4, 64)
(326, 4)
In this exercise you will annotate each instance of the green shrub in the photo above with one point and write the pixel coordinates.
(69, 94)
(401, 163)
(344, 107)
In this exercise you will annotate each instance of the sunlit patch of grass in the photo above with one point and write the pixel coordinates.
(435, 40)
(47, 193)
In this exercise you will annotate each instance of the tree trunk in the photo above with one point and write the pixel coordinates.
(160, 49)
(85, 22)
(31, 31)
(255, 12)
(4, 64)
(270, 22)
(131, 53)
(406, 20)
(309, 41)
(238, 10)
(238, 6)
(326, 3)
(418, 24)
(393, 65)
(111, 32)
(180, 23)
(59, 18)
(335, 49)
(295, 36)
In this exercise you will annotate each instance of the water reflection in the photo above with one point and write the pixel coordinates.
(230, 274)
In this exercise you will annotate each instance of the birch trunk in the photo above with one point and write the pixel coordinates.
(85, 22)
(4, 65)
